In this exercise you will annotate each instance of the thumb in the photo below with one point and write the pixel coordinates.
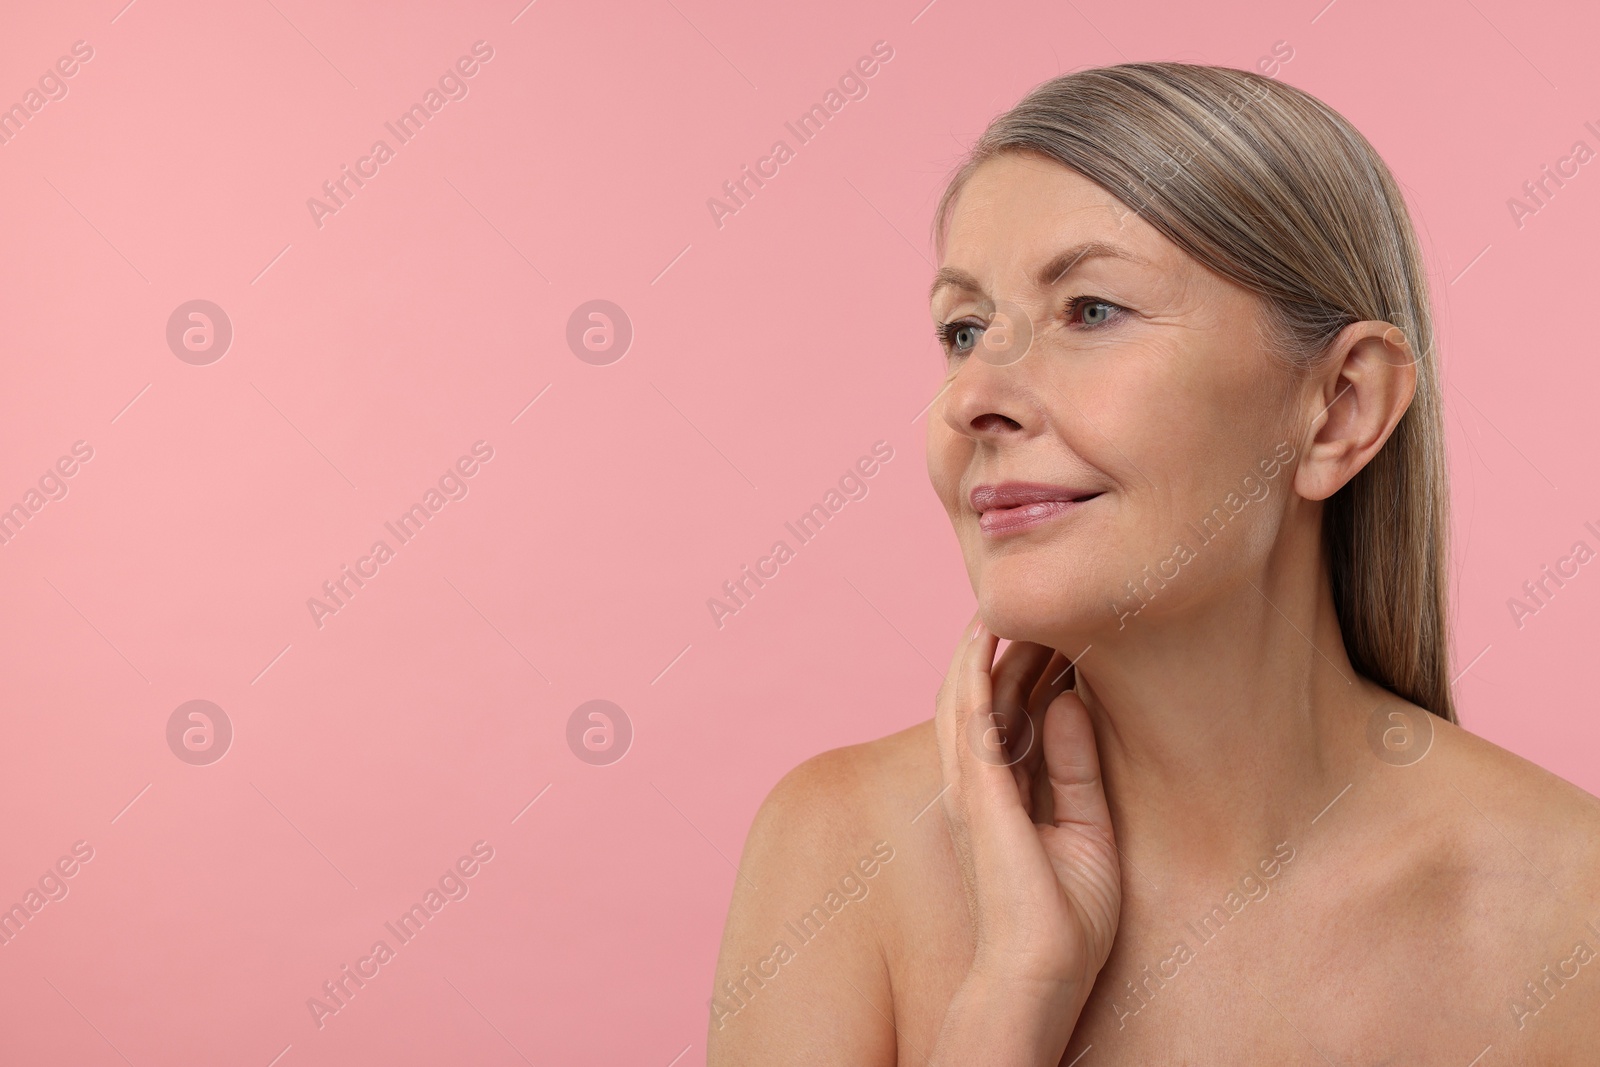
(1072, 763)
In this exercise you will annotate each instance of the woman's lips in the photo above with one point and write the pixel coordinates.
(1024, 516)
(1012, 506)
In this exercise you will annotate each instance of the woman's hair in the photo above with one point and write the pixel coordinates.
(1274, 190)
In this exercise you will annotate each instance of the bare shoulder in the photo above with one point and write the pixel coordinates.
(803, 939)
(1535, 839)
(1552, 821)
(846, 788)
(832, 809)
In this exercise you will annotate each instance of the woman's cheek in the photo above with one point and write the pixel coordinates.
(943, 460)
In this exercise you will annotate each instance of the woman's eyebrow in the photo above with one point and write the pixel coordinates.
(1051, 273)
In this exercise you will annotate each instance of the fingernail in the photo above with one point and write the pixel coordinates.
(978, 629)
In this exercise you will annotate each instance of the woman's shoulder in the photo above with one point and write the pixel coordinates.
(866, 784)
(1552, 822)
(1527, 843)
(820, 816)
(814, 903)
(835, 811)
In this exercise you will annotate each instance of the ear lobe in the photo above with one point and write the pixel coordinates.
(1367, 382)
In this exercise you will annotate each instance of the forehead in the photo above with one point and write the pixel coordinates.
(1018, 208)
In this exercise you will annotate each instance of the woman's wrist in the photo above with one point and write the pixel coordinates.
(1040, 975)
(1008, 1020)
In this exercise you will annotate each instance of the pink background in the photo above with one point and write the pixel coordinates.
(768, 355)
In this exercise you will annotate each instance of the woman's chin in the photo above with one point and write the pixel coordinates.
(1062, 625)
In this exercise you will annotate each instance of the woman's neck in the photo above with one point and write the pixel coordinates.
(1226, 729)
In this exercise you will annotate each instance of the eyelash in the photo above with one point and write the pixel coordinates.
(945, 331)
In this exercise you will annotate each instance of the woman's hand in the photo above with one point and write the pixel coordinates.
(1032, 833)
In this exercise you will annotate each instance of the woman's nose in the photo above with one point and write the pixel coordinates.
(983, 399)
(989, 393)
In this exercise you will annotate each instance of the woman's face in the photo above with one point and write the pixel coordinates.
(1127, 377)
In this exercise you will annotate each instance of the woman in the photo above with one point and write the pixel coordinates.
(1211, 805)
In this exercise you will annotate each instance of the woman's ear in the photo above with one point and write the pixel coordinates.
(1368, 377)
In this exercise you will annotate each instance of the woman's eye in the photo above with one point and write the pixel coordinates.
(1087, 312)
(959, 338)
(1091, 311)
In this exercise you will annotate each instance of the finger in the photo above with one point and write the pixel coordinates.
(1072, 763)
(971, 695)
(956, 713)
(946, 725)
(1027, 733)
(987, 787)
(1057, 677)
(1014, 678)
(943, 705)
